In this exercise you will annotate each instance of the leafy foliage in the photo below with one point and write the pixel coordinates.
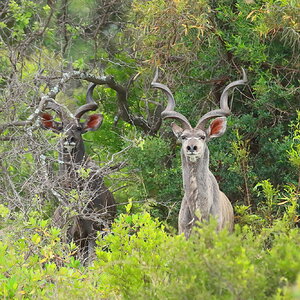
(141, 260)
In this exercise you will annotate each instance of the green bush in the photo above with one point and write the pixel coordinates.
(35, 264)
(141, 260)
(159, 180)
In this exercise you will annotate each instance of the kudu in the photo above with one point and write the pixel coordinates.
(202, 196)
(99, 209)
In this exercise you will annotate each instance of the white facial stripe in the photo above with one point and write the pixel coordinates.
(190, 138)
(69, 146)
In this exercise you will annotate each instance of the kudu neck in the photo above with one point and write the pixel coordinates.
(67, 159)
(196, 184)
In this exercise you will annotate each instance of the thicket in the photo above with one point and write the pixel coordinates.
(200, 46)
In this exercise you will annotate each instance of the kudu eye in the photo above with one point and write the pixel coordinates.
(202, 137)
(183, 137)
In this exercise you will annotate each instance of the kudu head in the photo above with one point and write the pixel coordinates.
(71, 144)
(194, 139)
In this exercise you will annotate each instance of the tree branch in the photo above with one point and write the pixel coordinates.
(122, 100)
(149, 127)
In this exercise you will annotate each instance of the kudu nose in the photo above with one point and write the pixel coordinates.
(72, 140)
(69, 144)
(191, 148)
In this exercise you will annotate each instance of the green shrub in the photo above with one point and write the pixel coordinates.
(142, 261)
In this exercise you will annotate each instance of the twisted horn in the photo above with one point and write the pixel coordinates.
(224, 110)
(169, 112)
(90, 105)
(224, 96)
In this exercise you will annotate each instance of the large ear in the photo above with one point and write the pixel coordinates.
(177, 130)
(92, 123)
(48, 122)
(216, 128)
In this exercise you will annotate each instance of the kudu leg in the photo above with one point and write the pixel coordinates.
(91, 250)
(185, 220)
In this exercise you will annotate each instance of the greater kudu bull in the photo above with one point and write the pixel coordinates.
(202, 196)
(98, 207)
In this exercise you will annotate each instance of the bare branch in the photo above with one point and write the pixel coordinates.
(150, 127)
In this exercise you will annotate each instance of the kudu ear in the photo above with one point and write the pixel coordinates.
(92, 123)
(49, 123)
(216, 128)
(177, 130)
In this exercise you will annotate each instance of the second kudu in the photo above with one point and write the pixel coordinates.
(97, 208)
(202, 196)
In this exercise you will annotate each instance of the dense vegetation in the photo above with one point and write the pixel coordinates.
(200, 46)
